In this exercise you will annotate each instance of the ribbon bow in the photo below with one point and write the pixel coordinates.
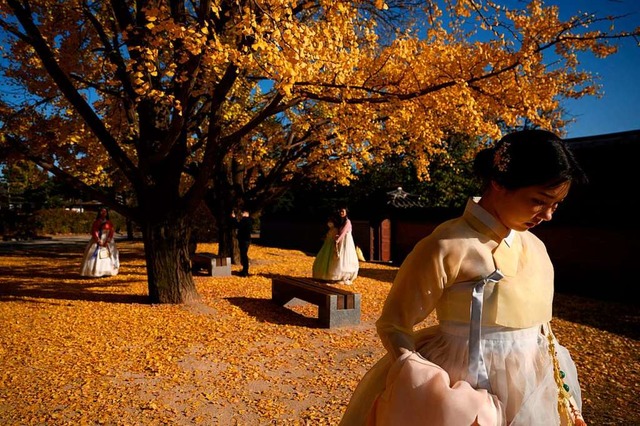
(477, 374)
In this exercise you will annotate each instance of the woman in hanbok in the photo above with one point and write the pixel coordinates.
(326, 261)
(101, 257)
(337, 261)
(348, 262)
(492, 359)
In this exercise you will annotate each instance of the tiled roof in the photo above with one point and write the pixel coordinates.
(401, 199)
(590, 142)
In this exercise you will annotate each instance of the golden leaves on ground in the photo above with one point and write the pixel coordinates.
(86, 350)
(93, 351)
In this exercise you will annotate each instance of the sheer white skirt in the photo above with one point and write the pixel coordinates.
(518, 363)
(519, 366)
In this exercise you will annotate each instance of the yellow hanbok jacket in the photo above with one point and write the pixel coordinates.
(466, 249)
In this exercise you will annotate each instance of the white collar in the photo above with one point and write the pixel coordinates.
(489, 220)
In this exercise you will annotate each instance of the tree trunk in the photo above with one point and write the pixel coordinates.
(129, 223)
(221, 204)
(227, 240)
(166, 247)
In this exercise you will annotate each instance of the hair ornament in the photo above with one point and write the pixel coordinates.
(501, 157)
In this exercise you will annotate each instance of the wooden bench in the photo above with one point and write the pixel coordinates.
(336, 307)
(214, 266)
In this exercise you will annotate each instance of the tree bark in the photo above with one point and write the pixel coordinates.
(227, 241)
(166, 247)
(221, 200)
(129, 223)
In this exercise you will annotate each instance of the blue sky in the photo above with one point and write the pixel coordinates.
(618, 110)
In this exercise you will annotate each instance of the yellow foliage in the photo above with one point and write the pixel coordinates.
(344, 87)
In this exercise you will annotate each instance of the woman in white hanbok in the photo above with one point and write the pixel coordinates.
(348, 262)
(101, 257)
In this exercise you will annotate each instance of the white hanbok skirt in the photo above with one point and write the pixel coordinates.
(100, 261)
(523, 390)
(337, 262)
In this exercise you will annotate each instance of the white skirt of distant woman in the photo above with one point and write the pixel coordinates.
(347, 264)
(100, 261)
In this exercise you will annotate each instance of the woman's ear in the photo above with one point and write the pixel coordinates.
(495, 186)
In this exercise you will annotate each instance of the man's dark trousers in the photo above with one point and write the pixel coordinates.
(243, 245)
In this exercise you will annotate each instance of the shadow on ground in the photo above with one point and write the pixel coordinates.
(615, 317)
(31, 280)
(572, 303)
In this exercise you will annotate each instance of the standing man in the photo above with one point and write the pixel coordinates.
(244, 226)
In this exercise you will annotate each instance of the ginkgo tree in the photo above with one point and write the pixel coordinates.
(178, 100)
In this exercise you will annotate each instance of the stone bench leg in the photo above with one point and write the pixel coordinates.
(214, 265)
(330, 316)
(221, 267)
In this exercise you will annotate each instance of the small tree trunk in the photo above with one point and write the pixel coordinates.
(166, 247)
(220, 205)
(129, 223)
(227, 241)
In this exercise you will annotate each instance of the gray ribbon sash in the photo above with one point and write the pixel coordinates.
(477, 374)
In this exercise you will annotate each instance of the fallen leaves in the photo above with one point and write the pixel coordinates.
(93, 351)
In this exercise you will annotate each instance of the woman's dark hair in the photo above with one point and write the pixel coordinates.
(526, 158)
(340, 221)
(99, 210)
